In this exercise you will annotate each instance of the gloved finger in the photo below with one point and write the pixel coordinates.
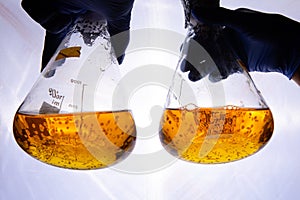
(51, 43)
(56, 18)
(185, 66)
(194, 75)
(54, 36)
(216, 76)
(52, 15)
(57, 23)
(114, 10)
(199, 70)
(120, 35)
(40, 11)
(197, 61)
(119, 40)
(118, 19)
(212, 15)
(241, 20)
(236, 43)
(235, 22)
(202, 70)
(247, 21)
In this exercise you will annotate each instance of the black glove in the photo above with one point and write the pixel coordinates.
(263, 42)
(58, 16)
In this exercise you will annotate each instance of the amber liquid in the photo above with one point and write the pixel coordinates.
(76, 141)
(215, 135)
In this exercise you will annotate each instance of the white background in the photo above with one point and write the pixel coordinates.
(273, 173)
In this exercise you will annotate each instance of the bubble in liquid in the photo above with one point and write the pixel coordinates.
(190, 106)
(76, 141)
(215, 135)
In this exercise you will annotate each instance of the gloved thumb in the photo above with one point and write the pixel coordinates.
(51, 42)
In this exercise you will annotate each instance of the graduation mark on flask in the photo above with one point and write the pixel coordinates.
(75, 81)
(82, 86)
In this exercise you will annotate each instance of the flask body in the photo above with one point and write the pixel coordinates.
(69, 118)
(214, 113)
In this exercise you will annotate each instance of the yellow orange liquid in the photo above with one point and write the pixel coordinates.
(215, 135)
(76, 141)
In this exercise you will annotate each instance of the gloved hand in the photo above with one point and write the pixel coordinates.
(57, 18)
(263, 42)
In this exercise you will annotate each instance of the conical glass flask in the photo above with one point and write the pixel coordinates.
(69, 118)
(220, 116)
